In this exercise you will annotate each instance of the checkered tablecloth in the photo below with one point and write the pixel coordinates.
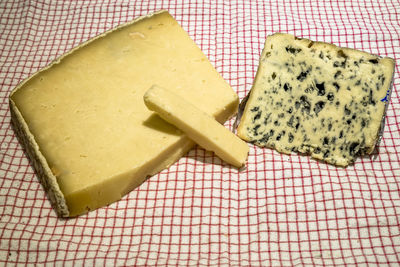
(281, 210)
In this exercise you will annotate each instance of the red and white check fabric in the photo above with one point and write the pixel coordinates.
(280, 211)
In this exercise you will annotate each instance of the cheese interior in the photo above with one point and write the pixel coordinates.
(197, 125)
(87, 114)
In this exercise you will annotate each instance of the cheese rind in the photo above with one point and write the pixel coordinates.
(91, 137)
(47, 178)
(197, 125)
(316, 98)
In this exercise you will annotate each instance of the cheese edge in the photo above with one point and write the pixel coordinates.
(38, 161)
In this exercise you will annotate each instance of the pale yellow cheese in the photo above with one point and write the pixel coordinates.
(197, 125)
(83, 120)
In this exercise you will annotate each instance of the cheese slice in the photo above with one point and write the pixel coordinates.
(197, 125)
(83, 121)
(317, 98)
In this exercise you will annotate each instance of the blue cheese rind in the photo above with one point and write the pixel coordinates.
(316, 98)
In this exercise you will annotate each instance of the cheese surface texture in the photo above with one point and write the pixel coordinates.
(84, 122)
(197, 125)
(316, 98)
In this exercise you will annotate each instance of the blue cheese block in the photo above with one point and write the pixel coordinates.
(316, 98)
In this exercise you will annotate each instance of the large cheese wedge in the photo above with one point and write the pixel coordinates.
(83, 121)
(197, 125)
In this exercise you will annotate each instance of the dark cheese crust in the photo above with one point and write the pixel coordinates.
(316, 98)
(45, 175)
